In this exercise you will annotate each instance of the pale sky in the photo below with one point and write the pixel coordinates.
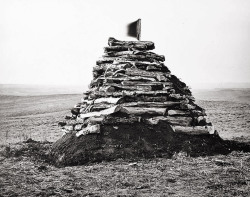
(59, 41)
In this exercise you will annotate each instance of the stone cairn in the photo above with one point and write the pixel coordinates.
(131, 86)
(131, 79)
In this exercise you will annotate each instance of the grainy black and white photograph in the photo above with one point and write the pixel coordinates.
(124, 98)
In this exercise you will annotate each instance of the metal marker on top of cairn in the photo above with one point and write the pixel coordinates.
(134, 106)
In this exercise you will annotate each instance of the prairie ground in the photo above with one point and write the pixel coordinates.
(36, 117)
(25, 171)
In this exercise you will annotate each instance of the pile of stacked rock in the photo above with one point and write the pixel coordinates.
(133, 82)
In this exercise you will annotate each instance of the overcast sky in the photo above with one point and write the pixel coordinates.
(59, 41)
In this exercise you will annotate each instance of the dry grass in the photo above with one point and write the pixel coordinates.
(231, 119)
(36, 117)
(25, 171)
(180, 176)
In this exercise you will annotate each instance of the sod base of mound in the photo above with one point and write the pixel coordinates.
(132, 142)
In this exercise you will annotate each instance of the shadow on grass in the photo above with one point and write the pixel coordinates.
(207, 145)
